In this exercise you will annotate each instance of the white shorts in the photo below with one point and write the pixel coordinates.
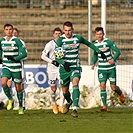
(53, 78)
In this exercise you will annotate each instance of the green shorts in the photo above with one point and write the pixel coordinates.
(16, 76)
(67, 77)
(104, 75)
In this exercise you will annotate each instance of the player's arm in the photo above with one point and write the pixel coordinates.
(22, 51)
(45, 52)
(89, 44)
(115, 48)
(0, 55)
(25, 48)
(84, 41)
(94, 59)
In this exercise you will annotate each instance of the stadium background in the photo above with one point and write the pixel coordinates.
(36, 22)
(37, 18)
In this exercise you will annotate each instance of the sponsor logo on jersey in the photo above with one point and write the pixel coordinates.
(104, 46)
(7, 48)
(72, 45)
(102, 49)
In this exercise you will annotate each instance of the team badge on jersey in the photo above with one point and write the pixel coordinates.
(12, 45)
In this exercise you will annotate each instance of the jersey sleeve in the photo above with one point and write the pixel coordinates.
(22, 51)
(45, 53)
(25, 48)
(89, 44)
(0, 50)
(58, 42)
(0, 53)
(114, 48)
(94, 58)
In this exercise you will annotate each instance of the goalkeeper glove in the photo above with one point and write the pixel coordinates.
(10, 58)
(66, 66)
(55, 63)
(0, 61)
(103, 55)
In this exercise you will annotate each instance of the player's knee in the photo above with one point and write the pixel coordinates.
(53, 88)
(103, 86)
(113, 87)
(4, 83)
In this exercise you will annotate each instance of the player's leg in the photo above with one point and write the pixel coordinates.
(65, 81)
(75, 77)
(24, 95)
(62, 99)
(9, 83)
(52, 82)
(6, 75)
(22, 85)
(17, 78)
(114, 87)
(102, 77)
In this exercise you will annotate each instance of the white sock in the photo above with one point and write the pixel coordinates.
(75, 108)
(24, 95)
(62, 99)
(53, 97)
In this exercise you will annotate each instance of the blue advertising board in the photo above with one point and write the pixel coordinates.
(34, 74)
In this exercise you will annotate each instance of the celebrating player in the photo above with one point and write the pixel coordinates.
(106, 67)
(52, 70)
(70, 70)
(12, 51)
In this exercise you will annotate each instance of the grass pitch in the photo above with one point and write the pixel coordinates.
(89, 121)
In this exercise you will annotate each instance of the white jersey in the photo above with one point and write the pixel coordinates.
(48, 56)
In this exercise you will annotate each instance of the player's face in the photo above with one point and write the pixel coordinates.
(68, 31)
(99, 36)
(8, 31)
(15, 33)
(57, 34)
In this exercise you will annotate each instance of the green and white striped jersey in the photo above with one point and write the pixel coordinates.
(110, 50)
(15, 48)
(71, 46)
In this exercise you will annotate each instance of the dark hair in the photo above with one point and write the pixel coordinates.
(57, 29)
(16, 29)
(6, 25)
(99, 29)
(68, 23)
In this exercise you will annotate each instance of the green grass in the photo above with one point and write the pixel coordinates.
(89, 121)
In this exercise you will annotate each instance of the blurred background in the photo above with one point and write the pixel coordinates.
(36, 19)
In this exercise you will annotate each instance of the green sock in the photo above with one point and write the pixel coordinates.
(67, 97)
(7, 92)
(104, 97)
(75, 95)
(118, 91)
(20, 97)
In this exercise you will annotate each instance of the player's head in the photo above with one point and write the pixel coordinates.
(99, 33)
(57, 32)
(8, 29)
(15, 32)
(68, 29)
